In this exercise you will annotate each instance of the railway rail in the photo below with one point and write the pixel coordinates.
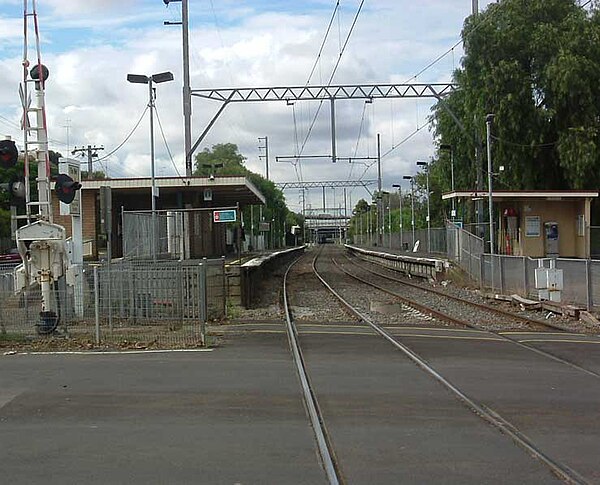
(419, 290)
(325, 443)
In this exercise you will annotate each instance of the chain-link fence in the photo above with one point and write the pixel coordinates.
(516, 274)
(124, 303)
(160, 234)
(465, 249)
(405, 241)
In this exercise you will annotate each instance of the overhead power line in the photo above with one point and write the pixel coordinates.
(126, 138)
(166, 144)
(318, 58)
(333, 74)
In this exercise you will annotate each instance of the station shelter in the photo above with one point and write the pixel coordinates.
(539, 223)
(204, 237)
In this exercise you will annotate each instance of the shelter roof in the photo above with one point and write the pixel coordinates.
(500, 195)
(236, 189)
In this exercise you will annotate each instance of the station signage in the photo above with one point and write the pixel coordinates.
(228, 215)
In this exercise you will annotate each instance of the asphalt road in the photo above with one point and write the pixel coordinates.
(391, 423)
(235, 415)
(231, 416)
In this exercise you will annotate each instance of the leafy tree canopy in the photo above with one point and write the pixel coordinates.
(225, 159)
(222, 159)
(535, 64)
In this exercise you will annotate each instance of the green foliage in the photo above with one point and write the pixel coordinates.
(275, 211)
(96, 175)
(223, 153)
(535, 64)
(18, 171)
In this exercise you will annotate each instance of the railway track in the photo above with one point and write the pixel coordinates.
(324, 440)
(439, 300)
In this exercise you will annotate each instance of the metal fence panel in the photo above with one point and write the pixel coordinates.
(137, 303)
(138, 231)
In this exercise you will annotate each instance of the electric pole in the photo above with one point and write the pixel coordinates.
(379, 194)
(265, 147)
(187, 95)
(91, 154)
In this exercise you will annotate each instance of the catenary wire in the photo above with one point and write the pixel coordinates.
(333, 73)
(167, 145)
(126, 138)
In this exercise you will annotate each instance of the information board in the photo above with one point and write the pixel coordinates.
(228, 215)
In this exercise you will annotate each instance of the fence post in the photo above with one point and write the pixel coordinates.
(182, 278)
(202, 296)
(97, 304)
(225, 286)
(132, 302)
(502, 288)
(525, 292)
(588, 280)
(481, 271)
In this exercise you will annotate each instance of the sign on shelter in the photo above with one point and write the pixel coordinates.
(228, 215)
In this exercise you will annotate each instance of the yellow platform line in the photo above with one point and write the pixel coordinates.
(537, 333)
(597, 342)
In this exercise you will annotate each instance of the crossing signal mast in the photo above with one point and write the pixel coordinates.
(41, 243)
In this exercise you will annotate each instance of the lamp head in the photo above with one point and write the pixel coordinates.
(162, 77)
(137, 78)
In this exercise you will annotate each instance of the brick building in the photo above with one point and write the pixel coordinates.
(205, 238)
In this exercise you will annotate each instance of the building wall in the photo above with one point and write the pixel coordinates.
(88, 217)
(563, 212)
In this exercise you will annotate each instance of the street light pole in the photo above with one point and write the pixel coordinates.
(399, 187)
(412, 205)
(150, 80)
(488, 121)
(449, 148)
(390, 225)
(152, 170)
(426, 165)
(380, 216)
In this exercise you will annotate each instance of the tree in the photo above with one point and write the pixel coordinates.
(7, 175)
(535, 64)
(275, 211)
(225, 154)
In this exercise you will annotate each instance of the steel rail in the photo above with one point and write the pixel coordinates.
(323, 441)
(487, 414)
(474, 326)
(483, 306)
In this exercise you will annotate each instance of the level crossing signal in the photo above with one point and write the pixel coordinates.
(8, 154)
(66, 188)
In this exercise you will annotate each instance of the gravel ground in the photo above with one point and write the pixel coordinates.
(312, 302)
(475, 296)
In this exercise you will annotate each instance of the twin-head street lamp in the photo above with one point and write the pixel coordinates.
(449, 148)
(150, 80)
(412, 205)
(426, 165)
(399, 187)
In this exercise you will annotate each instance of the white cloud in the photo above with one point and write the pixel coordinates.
(89, 62)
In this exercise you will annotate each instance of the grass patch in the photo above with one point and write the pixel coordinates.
(12, 338)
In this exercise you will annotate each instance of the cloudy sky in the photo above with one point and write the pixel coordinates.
(91, 45)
